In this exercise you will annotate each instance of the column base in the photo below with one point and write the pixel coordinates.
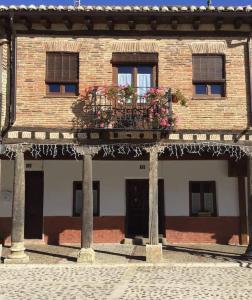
(86, 255)
(154, 253)
(18, 255)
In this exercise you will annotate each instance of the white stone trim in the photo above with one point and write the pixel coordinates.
(208, 47)
(133, 46)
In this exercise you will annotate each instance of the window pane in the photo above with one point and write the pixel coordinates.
(125, 76)
(70, 88)
(208, 202)
(216, 89)
(195, 187)
(78, 202)
(54, 87)
(95, 203)
(144, 79)
(196, 206)
(201, 89)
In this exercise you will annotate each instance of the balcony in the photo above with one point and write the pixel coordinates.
(124, 108)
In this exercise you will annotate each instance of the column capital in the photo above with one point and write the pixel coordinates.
(16, 148)
(154, 149)
(87, 150)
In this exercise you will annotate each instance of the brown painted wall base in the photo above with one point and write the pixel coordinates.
(220, 230)
(61, 230)
(111, 229)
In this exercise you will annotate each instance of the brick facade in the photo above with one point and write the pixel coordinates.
(35, 109)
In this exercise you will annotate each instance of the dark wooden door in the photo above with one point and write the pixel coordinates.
(34, 187)
(137, 207)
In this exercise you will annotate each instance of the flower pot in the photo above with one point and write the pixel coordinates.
(174, 98)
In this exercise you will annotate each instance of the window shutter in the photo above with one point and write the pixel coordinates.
(208, 68)
(62, 67)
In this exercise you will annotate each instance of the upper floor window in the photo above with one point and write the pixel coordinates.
(62, 73)
(202, 198)
(209, 75)
(138, 70)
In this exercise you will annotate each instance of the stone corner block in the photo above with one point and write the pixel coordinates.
(86, 256)
(154, 253)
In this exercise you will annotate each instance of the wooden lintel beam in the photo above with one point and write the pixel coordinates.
(110, 23)
(238, 23)
(46, 22)
(174, 23)
(196, 23)
(26, 22)
(218, 23)
(68, 23)
(89, 23)
(132, 24)
(153, 24)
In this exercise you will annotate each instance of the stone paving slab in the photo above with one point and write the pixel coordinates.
(128, 281)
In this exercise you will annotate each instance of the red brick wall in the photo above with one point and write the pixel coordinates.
(5, 229)
(221, 230)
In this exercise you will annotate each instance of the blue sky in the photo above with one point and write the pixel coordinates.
(127, 2)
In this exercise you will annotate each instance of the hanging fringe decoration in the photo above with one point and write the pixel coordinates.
(136, 150)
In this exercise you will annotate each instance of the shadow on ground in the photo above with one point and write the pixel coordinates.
(118, 253)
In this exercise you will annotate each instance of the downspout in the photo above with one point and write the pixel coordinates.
(250, 81)
(11, 108)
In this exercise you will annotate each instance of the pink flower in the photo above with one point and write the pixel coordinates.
(102, 125)
(163, 123)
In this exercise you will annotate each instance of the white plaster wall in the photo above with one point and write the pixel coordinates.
(7, 172)
(59, 177)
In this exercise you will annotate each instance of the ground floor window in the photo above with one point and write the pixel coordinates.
(77, 198)
(202, 198)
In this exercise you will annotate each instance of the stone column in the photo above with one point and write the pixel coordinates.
(18, 213)
(153, 249)
(249, 248)
(87, 254)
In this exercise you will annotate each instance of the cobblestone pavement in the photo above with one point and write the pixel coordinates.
(118, 253)
(128, 282)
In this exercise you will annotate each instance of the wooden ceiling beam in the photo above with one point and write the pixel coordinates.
(68, 23)
(89, 23)
(174, 23)
(153, 23)
(196, 23)
(132, 24)
(110, 23)
(46, 22)
(238, 23)
(26, 22)
(218, 23)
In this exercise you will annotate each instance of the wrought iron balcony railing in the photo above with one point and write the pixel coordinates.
(125, 108)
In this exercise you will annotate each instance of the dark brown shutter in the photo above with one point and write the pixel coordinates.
(208, 68)
(62, 67)
(134, 58)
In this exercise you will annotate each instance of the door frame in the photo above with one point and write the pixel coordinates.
(43, 192)
(161, 211)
